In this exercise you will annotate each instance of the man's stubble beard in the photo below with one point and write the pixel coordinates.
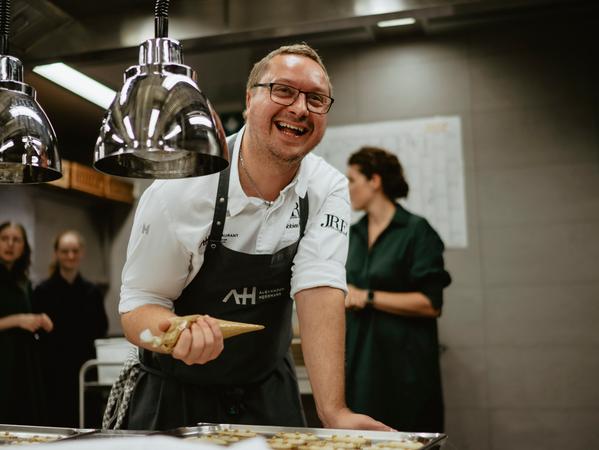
(291, 161)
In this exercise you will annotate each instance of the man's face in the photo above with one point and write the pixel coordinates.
(69, 252)
(287, 132)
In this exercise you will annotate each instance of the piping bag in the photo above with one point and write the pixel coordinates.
(167, 341)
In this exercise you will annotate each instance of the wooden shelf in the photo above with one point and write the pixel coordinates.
(83, 178)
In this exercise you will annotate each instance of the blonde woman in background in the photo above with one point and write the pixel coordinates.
(21, 395)
(76, 306)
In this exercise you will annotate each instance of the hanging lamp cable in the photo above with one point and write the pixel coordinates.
(161, 19)
(4, 26)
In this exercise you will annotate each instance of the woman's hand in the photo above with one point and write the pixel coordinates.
(46, 322)
(33, 322)
(198, 344)
(356, 298)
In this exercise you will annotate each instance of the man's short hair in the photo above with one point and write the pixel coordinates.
(302, 49)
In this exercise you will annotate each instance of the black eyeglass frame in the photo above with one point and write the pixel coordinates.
(299, 91)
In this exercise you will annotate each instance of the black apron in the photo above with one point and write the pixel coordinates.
(253, 380)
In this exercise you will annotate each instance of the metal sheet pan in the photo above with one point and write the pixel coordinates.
(110, 434)
(22, 434)
(430, 441)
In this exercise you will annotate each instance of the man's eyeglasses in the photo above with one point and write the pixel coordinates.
(286, 95)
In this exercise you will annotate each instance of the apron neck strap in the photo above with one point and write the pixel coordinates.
(222, 199)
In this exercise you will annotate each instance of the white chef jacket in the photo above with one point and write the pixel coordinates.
(174, 217)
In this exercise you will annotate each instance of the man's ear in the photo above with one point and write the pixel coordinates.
(248, 97)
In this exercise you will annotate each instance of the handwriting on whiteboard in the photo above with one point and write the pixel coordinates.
(430, 150)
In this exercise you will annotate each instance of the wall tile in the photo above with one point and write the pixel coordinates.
(552, 253)
(467, 428)
(521, 79)
(18, 206)
(547, 429)
(522, 137)
(551, 376)
(462, 323)
(539, 195)
(414, 52)
(549, 314)
(464, 372)
(398, 91)
(493, 39)
(343, 72)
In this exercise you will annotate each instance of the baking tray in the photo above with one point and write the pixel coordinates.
(26, 434)
(109, 434)
(429, 441)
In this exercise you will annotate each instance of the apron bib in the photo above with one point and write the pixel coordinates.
(253, 380)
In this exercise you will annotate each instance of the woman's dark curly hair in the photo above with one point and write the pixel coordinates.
(374, 160)
(20, 268)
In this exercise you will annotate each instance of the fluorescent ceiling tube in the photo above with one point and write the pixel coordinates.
(396, 22)
(76, 82)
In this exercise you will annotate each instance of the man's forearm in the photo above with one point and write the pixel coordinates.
(322, 329)
(141, 318)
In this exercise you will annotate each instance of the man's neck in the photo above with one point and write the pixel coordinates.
(261, 175)
(68, 275)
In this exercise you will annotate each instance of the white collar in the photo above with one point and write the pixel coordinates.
(238, 199)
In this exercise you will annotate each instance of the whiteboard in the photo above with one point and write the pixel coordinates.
(430, 151)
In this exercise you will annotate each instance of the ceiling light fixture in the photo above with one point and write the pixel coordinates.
(77, 82)
(28, 152)
(160, 125)
(396, 22)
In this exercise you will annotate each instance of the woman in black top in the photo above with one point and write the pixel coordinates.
(21, 395)
(76, 306)
(395, 276)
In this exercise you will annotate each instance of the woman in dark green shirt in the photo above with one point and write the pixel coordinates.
(396, 277)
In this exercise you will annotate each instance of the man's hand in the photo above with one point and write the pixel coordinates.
(198, 344)
(346, 419)
(356, 298)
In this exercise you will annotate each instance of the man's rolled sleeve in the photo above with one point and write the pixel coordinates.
(322, 253)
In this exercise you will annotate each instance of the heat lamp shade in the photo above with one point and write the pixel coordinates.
(28, 150)
(160, 125)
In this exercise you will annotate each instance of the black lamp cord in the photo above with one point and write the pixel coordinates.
(160, 22)
(160, 19)
(4, 26)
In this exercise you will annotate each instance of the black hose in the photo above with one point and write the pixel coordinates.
(161, 19)
(4, 26)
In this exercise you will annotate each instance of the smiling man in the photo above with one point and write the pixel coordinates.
(241, 246)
